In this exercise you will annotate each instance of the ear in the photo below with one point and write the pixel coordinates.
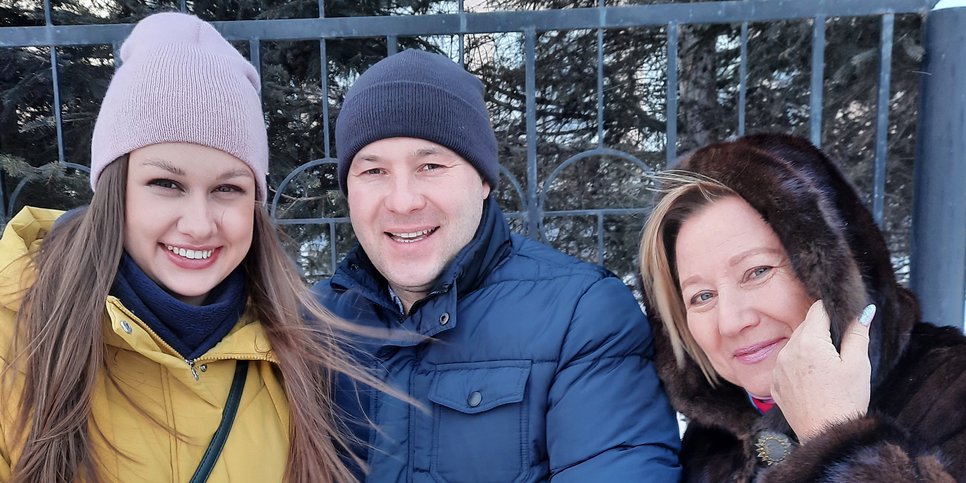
(486, 189)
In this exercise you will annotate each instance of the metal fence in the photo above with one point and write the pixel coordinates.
(939, 243)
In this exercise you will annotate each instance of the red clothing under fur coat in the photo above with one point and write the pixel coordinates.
(915, 429)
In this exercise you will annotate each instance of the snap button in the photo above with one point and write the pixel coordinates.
(444, 318)
(203, 367)
(126, 327)
(475, 399)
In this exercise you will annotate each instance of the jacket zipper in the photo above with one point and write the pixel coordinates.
(189, 362)
(191, 365)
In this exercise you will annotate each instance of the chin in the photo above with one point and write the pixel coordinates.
(410, 279)
(759, 390)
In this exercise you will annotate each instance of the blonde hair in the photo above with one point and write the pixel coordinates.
(683, 195)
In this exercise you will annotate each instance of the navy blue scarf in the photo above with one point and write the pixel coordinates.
(190, 330)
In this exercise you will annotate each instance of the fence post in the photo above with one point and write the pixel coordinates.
(938, 264)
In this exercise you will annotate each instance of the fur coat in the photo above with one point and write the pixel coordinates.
(915, 429)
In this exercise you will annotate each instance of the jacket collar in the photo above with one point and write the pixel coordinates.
(478, 258)
(191, 329)
(124, 330)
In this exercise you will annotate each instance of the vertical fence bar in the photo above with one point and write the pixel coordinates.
(184, 6)
(255, 56)
(324, 79)
(55, 82)
(392, 44)
(882, 117)
(938, 259)
(600, 122)
(743, 79)
(672, 92)
(462, 15)
(333, 248)
(533, 210)
(600, 238)
(600, 87)
(57, 116)
(818, 74)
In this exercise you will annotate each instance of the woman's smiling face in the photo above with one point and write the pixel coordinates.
(742, 297)
(189, 216)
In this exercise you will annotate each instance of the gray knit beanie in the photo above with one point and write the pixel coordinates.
(421, 95)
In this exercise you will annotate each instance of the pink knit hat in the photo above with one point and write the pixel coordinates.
(180, 81)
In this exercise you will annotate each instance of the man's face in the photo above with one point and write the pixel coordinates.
(413, 205)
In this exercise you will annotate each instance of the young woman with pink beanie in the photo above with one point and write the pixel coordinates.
(161, 334)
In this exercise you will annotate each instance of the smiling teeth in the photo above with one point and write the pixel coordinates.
(411, 237)
(190, 254)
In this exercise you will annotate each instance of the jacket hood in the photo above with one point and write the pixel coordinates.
(835, 248)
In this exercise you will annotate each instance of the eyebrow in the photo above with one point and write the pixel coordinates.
(160, 163)
(417, 153)
(236, 173)
(165, 165)
(750, 253)
(425, 151)
(735, 260)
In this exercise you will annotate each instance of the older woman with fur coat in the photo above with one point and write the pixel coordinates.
(781, 332)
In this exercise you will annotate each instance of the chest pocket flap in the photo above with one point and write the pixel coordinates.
(476, 387)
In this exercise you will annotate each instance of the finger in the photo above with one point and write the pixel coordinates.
(817, 324)
(855, 340)
(776, 391)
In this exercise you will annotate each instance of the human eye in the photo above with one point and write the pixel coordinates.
(229, 188)
(164, 183)
(701, 298)
(432, 166)
(757, 273)
(371, 172)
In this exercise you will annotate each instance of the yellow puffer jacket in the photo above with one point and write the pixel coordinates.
(161, 384)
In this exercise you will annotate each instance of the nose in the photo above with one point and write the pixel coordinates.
(405, 195)
(198, 217)
(736, 312)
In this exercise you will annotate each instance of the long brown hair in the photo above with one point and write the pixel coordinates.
(60, 348)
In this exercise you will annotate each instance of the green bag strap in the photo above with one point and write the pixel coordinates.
(224, 427)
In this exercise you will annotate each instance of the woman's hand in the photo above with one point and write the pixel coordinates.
(813, 384)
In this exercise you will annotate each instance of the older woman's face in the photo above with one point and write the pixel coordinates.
(742, 297)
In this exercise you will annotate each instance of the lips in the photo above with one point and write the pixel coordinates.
(758, 352)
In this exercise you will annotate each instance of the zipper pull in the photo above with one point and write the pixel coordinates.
(191, 365)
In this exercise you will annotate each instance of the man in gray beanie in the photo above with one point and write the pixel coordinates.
(525, 364)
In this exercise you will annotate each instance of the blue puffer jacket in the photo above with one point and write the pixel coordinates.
(529, 366)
